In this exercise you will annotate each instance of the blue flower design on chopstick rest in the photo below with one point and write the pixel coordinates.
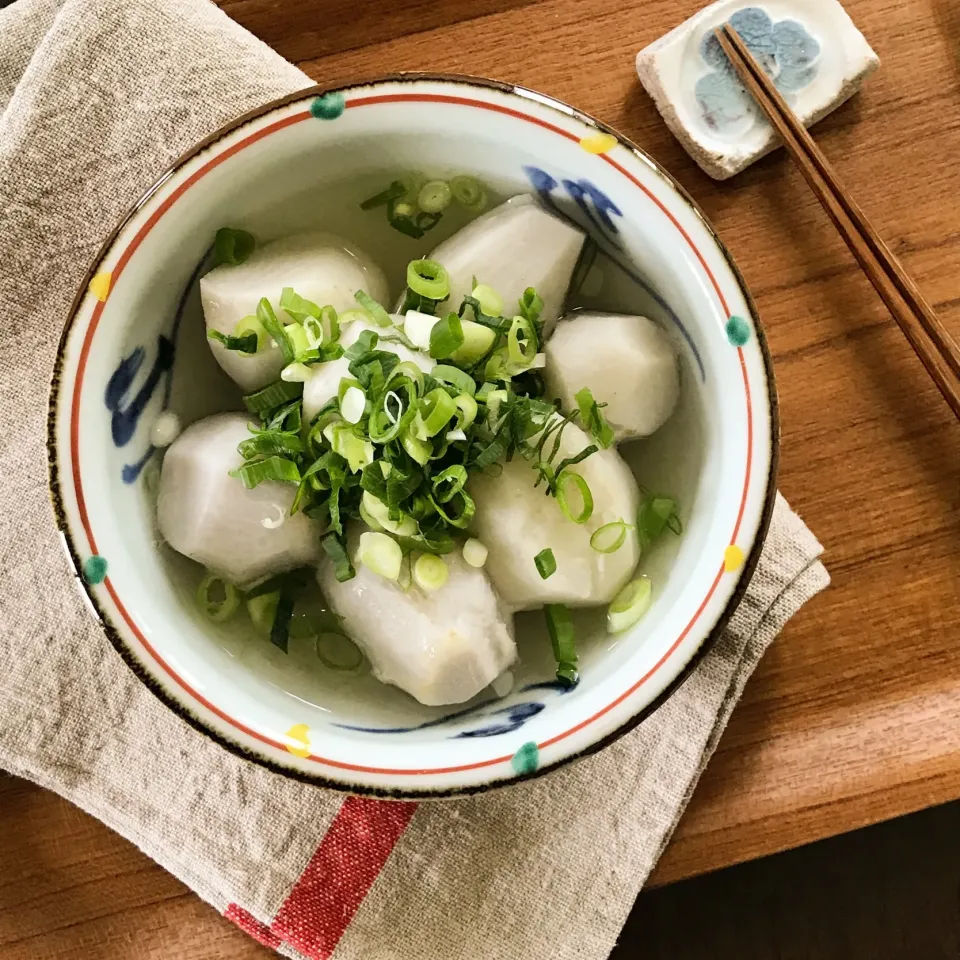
(503, 719)
(785, 50)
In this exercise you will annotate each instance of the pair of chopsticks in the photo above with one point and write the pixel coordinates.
(934, 346)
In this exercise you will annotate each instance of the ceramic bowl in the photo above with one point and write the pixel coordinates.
(134, 346)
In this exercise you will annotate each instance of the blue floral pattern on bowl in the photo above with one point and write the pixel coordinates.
(785, 50)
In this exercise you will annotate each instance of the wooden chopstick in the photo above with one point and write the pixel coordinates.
(937, 350)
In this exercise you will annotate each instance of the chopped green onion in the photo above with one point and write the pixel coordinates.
(467, 408)
(216, 607)
(469, 192)
(435, 411)
(521, 342)
(273, 326)
(477, 341)
(417, 449)
(352, 315)
(610, 537)
(428, 279)
(262, 609)
(313, 330)
(298, 338)
(434, 196)
(455, 377)
(381, 554)
(296, 307)
(334, 549)
(233, 246)
(475, 553)
(564, 479)
(271, 396)
(296, 373)
(357, 451)
(593, 420)
(448, 483)
(280, 630)
(531, 305)
(446, 337)
(546, 563)
(352, 404)
(491, 303)
(269, 443)
(272, 468)
(430, 572)
(629, 605)
(451, 514)
(380, 316)
(377, 511)
(560, 628)
(251, 324)
(340, 653)
(245, 344)
(393, 192)
(654, 516)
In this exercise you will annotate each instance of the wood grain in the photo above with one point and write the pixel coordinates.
(853, 716)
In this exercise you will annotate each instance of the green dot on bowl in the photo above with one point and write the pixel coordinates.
(525, 760)
(95, 569)
(738, 331)
(329, 106)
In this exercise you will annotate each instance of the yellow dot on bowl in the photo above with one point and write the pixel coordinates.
(100, 286)
(598, 142)
(732, 558)
(299, 733)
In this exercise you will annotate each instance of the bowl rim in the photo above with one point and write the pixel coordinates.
(130, 657)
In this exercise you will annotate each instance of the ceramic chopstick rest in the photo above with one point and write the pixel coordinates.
(811, 48)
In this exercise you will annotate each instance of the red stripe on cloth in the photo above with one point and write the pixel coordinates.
(350, 857)
(249, 924)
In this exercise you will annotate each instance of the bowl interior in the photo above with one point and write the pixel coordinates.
(278, 175)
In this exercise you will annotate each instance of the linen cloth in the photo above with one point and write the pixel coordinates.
(97, 98)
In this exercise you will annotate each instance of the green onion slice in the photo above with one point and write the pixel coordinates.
(417, 449)
(273, 326)
(270, 443)
(467, 410)
(610, 537)
(654, 516)
(298, 338)
(393, 192)
(272, 468)
(428, 279)
(593, 420)
(381, 554)
(475, 552)
(251, 324)
(469, 192)
(274, 395)
(629, 605)
(233, 246)
(217, 598)
(434, 196)
(564, 480)
(262, 609)
(546, 563)
(296, 372)
(446, 373)
(436, 409)
(521, 342)
(247, 343)
(333, 547)
(446, 337)
(491, 303)
(296, 307)
(380, 316)
(340, 653)
(430, 572)
(560, 628)
(448, 483)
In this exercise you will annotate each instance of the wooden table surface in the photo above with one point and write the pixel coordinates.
(854, 714)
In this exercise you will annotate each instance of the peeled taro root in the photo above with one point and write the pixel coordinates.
(512, 247)
(516, 521)
(442, 646)
(318, 266)
(243, 536)
(627, 362)
(325, 378)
